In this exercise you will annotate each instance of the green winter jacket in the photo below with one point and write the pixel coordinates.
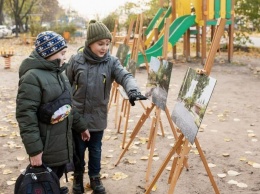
(40, 82)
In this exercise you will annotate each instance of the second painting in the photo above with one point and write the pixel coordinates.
(158, 82)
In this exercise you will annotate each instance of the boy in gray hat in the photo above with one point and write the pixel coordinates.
(46, 130)
(91, 73)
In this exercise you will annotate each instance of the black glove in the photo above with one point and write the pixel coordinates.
(133, 95)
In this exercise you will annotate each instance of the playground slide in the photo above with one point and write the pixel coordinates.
(150, 34)
(154, 20)
(176, 30)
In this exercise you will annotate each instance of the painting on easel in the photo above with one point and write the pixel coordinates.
(159, 77)
(131, 67)
(192, 101)
(122, 52)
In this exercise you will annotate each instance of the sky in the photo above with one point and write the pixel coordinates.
(90, 8)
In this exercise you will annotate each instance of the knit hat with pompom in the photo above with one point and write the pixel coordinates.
(97, 31)
(49, 43)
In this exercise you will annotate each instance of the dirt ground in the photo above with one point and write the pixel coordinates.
(228, 135)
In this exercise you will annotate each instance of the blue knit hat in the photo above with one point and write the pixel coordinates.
(48, 43)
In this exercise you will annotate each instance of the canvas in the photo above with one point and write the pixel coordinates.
(192, 101)
(158, 82)
(122, 52)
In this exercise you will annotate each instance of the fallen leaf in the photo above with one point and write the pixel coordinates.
(251, 135)
(256, 165)
(144, 158)
(132, 161)
(222, 175)
(170, 137)
(9, 183)
(137, 143)
(242, 158)
(7, 171)
(232, 182)
(169, 168)
(227, 139)
(154, 187)
(20, 158)
(119, 175)
(156, 158)
(107, 137)
(103, 176)
(233, 173)
(242, 185)
(225, 154)
(211, 165)
(2, 165)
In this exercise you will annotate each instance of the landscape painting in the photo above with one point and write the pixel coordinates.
(192, 102)
(122, 52)
(158, 82)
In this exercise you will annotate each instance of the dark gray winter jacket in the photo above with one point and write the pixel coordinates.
(91, 85)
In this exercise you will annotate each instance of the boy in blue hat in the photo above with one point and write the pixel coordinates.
(47, 137)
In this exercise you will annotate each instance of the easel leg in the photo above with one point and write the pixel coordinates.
(174, 131)
(202, 156)
(179, 166)
(121, 116)
(163, 166)
(136, 130)
(158, 113)
(126, 115)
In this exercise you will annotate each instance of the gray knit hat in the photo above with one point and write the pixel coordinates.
(48, 43)
(97, 31)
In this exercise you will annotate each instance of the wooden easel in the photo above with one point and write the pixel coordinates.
(125, 108)
(138, 43)
(155, 121)
(181, 146)
(114, 91)
(113, 37)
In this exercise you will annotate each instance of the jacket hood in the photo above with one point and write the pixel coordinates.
(35, 61)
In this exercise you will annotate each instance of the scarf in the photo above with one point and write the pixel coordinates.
(93, 58)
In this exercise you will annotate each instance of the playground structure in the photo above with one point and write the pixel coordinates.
(183, 15)
(7, 54)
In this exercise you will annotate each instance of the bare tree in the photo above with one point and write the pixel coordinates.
(20, 10)
(1, 12)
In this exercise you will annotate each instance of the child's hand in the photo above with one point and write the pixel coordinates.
(36, 160)
(85, 135)
(133, 95)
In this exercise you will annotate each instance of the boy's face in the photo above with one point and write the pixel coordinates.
(100, 47)
(59, 55)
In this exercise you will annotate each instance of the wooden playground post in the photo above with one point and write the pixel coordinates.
(231, 33)
(181, 146)
(204, 31)
(7, 54)
(173, 4)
